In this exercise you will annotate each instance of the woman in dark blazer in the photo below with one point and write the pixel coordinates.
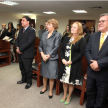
(48, 49)
(10, 32)
(71, 53)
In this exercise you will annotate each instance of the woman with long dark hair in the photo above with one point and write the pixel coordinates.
(92, 30)
(10, 32)
(66, 32)
(17, 31)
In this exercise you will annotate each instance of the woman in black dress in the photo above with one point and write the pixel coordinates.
(71, 53)
(66, 32)
(10, 32)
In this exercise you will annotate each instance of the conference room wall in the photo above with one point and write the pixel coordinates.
(40, 20)
(7, 17)
(63, 21)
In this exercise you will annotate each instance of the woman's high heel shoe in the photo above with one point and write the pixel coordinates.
(64, 100)
(66, 103)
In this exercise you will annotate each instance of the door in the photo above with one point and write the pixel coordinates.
(89, 23)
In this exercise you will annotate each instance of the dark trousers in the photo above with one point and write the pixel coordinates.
(25, 65)
(97, 93)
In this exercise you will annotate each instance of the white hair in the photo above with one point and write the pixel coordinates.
(104, 14)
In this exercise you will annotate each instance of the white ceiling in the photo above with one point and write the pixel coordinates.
(64, 7)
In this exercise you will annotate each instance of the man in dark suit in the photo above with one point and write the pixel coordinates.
(25, 50)
(96, 53)
(3, 31)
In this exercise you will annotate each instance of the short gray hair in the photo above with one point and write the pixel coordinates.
(104, 14)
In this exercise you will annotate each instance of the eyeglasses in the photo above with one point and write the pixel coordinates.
(102, 21)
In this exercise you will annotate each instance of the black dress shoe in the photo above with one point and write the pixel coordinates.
(20, 82)
(28, 86)
(43, 92)
(50, 97)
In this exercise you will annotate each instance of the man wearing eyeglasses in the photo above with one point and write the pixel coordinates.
(96, 53)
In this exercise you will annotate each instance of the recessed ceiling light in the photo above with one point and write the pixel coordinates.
(27, 14)
(50, 12)
(79, 11)
(9, 3)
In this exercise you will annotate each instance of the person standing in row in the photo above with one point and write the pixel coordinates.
(10, 32)
(48, 49)
(17, 31)
(46, 23)
(92, 30)
(66, 32)
(71, 53)
(86, 35)
(40, 32)
(2, 31)
(96, 53)
(25, 49)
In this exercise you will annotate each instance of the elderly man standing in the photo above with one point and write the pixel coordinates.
(96, 53)
(2, 31)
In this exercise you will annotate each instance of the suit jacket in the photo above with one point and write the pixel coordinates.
(3, 33)
(51, 45)
(92, 53)
(25, 42)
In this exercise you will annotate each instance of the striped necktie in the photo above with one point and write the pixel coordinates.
(102, 40)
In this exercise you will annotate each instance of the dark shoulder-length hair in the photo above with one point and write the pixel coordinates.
(66, 31)
(18, 25)
(11, 25)
(93, 31)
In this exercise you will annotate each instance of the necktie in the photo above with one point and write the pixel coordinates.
(102, 40)
(23, 30)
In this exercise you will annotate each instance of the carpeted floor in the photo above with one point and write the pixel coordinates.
(13, 95)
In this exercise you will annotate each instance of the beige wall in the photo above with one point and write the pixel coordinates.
(40, 20)
(6, 17)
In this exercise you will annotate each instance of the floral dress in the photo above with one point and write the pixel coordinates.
(66, 75)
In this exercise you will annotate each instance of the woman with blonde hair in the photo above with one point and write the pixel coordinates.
(48, 49)
(71, 52)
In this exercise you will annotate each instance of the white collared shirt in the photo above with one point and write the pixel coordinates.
(104, 36)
